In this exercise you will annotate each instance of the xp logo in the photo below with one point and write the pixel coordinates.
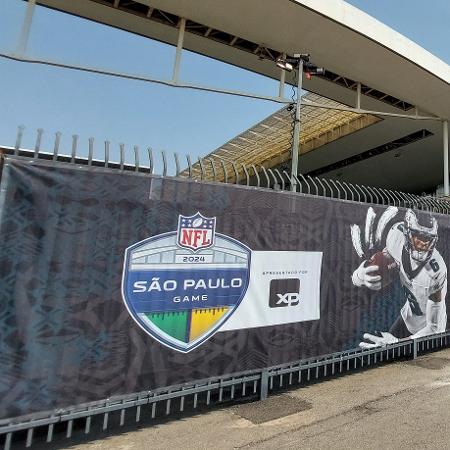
(181, 286)
(284, 292)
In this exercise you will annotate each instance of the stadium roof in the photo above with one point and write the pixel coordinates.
(362, 49)
(395, 76)
(269, 142)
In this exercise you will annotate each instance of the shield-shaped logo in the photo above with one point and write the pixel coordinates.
(181, 289)
(196, 232)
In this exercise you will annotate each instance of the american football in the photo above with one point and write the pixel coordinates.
(387, 267)
(197, 222)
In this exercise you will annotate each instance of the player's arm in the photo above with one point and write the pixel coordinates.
(434, 311)
(367, 274)
(435, 308)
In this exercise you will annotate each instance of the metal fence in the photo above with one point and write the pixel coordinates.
(220, 170)
(189, 397)
(257, 384)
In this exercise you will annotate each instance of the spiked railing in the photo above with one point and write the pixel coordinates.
(260, 383)
(216, 169)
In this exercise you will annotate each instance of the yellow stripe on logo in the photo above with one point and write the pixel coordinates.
(203, 319)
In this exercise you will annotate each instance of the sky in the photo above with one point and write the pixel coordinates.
(145, 114)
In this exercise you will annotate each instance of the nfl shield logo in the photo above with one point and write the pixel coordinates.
(196, 232)
(182, 286)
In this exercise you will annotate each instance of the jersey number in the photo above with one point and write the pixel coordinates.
(434, 265)
(413, 303)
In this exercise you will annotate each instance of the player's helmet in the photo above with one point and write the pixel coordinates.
(421, 234)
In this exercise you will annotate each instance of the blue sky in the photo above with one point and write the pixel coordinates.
(136, 113)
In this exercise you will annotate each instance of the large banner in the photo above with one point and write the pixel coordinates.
(113, 283)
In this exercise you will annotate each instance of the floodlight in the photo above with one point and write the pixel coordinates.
(311, 69)
(290, 63)
(284, 64)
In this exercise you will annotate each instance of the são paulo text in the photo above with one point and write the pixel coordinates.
(171, 285)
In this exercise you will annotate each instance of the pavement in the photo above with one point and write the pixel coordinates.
(401, 405)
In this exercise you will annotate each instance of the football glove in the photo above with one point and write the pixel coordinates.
(378, 341)
(364, 276)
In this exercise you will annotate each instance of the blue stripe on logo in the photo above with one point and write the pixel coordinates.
(175, 290)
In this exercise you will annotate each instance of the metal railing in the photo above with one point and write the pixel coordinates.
(216, 390)
(257, 384)
(220, 170)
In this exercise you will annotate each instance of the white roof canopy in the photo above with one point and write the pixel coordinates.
(395, 76)
(339, 37)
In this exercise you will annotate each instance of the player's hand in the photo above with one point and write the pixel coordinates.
(378, 341)
(365, 276)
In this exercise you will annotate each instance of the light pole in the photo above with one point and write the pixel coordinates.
(300, 61)
(296, 139)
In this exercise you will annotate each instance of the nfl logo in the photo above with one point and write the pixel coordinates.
(196, 232)
(181, 299)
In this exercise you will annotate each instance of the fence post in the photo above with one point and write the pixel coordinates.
(264, 384)
(414, 348)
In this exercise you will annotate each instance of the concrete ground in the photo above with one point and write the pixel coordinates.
(403, 405)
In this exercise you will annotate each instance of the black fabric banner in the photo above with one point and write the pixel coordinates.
(68, 336)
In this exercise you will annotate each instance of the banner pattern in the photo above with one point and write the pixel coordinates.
(66, 333)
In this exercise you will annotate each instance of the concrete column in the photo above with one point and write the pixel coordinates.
(445, 150)
(25, 31)
(176, 66)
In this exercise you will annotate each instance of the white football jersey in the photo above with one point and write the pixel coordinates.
(418, 282)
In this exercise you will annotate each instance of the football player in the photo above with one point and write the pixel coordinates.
(423, 274)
